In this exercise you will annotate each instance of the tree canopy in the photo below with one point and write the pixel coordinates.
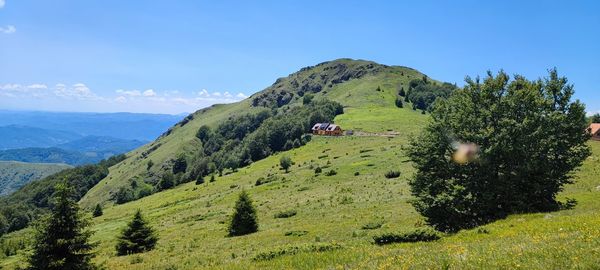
(61, 240)
(521, 140)
(595, 118)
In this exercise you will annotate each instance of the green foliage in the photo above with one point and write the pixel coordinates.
(418, 235)
(268, 179)
(246, 138)
(244, 220)
(180, 164)
(399, 103)
(595, 118)
(285, 162)
(318, 170)
(149, 164)
(14, 175)
(392, 174)
(372, 225)
(286, 214)
(34, 199)
(203, 133)
(97, 211)
(167, 181)
(137, 237)
(402, 93)
(123, 195)
(295, 233)
(292, 250)
(530, 136)
(307, 99)
(423, 93)
(200, 180)
(62, 240)
(331, 173)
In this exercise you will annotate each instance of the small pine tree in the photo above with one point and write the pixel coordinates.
(200, 180)
(285, 162)
(97, 211)
(399, 103)
(149, 165)
(212, 177)
(244, 220)
(62, 239)
(402, 93)
(137, 237)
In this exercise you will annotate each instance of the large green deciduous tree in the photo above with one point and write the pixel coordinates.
(61, 240)
(525, 139)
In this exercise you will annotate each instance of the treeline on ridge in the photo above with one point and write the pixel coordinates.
(236, 142)
(422, 93)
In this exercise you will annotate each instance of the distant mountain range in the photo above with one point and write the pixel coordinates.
(76, 138)
(62, 140)
(87, 150)
(17, 136)
(130, 126)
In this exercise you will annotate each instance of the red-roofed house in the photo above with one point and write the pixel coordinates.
(327, 129)
(595, 131)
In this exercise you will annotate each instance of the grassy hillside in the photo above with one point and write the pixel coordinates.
(14, 175)
(340, 213)
(366, 89)
(191, 219)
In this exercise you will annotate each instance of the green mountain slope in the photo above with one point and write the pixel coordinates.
(14, 175)
(340, 211)
(366, 89)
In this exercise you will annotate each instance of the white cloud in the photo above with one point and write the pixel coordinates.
(129, 93)
(77, 91)
(80, 97)
(149, 93)
(17, 90)
(203, 93)
(2, 3)
(9, 29)
(37, 86)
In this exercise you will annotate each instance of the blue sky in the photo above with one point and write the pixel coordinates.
(178, 56)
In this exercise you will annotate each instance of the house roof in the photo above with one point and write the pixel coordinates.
(331, 127)
(316, 126)
(595, 128)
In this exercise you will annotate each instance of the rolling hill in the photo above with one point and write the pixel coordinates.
(14, 175)
(367, 91)
(17, 136)
(339, 210)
